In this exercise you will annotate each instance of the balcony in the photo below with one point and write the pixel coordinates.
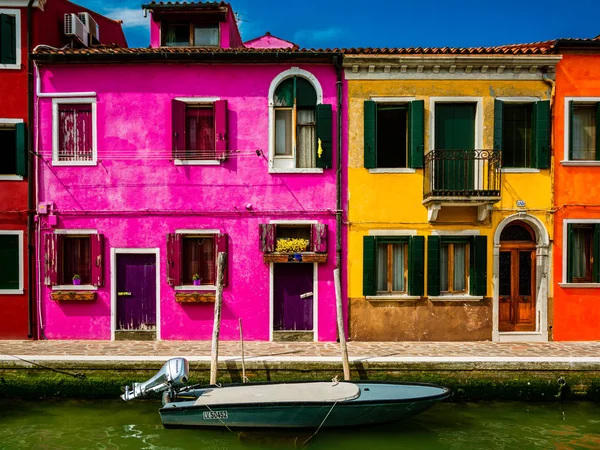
(461, 178)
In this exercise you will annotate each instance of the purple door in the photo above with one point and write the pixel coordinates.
(136, 292)
(293, 297)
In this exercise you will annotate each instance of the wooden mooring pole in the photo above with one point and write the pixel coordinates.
(340, 323)
(214, 352)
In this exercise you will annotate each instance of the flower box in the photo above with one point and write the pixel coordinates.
(73, 296)
(309, 257)
(195, 297)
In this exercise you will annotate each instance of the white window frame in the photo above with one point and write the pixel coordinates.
(565, 226)
(55, 131)
(20, 289)
(18, 50)
(567, 134)
(10, 123)
(73, 287)
(287, 164)
(204, 287)
(198, 101)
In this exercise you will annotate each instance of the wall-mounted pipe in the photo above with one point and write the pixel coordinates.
(32, 329)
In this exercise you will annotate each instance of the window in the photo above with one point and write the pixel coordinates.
(394, 134)
(313, 235)
(456, 265)
(522, 133)
(13, 151)
(11, 262)
(199, 130)
(583, 251)
(584, 138)
(393, 265)
(191, 35)
(74, 252)
(302, 129)
(192, 253)
(74, 139)
(10, 39)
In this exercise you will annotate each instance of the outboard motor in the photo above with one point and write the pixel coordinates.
(173, 374)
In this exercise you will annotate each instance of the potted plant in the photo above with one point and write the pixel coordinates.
(76, 280)
(196, 279)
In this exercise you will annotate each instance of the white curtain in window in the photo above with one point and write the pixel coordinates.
(580, 263)
(584, 132)
(305, 145)
(382, 258)
(444, 268)
(398, 284)
(459, 267)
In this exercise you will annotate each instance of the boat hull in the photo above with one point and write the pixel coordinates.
(377, 403)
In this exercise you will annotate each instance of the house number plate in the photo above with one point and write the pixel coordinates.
(211, 415)
(123, 293)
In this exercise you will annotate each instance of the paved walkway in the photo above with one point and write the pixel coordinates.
(298, 351)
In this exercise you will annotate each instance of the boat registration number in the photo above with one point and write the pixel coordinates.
(208, 415)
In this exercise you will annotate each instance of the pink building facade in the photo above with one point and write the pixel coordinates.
(152, 162)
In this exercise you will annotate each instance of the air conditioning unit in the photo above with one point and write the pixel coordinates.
(90, 25)
(75, 27)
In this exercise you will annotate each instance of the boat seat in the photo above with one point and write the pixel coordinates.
(280, 393)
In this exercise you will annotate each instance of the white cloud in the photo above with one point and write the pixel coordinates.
(131, 17)
(302, 37)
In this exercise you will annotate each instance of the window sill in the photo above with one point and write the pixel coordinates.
(455, 298)
(72, 287)
(74, 163)
(519, 170)
(195, 297)
(11, 178)
(197, 162)
(191, 287)
(289, 170)
(10, 66)
(393, 298)
(579, 285)
(11, 291)
(284, 257)
(392, 170)
(73, 296)
(580, 163)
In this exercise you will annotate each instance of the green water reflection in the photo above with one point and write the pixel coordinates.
(113, 424)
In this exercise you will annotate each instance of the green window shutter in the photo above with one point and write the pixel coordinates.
(498, 123)
(416, 133)
(570, 252)
(433, 265)
(21, 156)
(542, 134)
(370, 134)
(368, 265)
(416, 265)
(597, 131)
(324, 136)
(596, 254)
(478, 269)
(8, 39)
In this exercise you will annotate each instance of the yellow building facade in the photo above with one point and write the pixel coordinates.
(449, 195)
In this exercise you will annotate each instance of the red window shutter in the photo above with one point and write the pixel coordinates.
(221, 128)
(174, 259)
(50, 259)
(178, 128)
(318, 241)
(97, 252)
(222, 242)
(267, 237)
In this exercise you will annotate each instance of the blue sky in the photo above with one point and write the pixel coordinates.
(389, 23)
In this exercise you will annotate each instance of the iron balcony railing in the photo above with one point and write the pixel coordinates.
(462, 173)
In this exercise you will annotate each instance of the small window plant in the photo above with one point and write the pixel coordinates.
(196, 279)
(76, 279)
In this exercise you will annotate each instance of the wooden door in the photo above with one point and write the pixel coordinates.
(293, 297)
(136, 292)
(455, 138)
(517, 302)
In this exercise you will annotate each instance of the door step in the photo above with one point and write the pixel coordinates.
(135, 335)
(293, 336)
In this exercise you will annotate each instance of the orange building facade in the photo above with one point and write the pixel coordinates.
(576, 123)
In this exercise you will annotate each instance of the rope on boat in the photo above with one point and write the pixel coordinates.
(78, 375)
(331, 409)
(224, 424)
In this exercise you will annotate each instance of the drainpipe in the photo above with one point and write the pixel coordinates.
(338, 246)
(32, 328)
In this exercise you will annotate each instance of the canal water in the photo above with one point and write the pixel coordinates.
(114, 424)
